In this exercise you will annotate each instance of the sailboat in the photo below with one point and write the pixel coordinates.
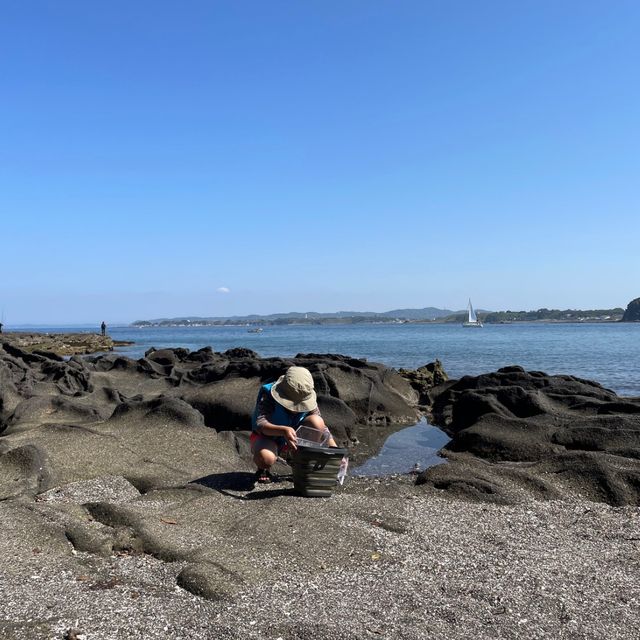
(473, 318)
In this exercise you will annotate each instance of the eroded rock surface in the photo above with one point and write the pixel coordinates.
(514, 430)
(157, 420)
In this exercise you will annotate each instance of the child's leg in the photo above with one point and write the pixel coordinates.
(265, 452)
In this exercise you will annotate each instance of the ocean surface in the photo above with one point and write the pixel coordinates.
(607, 353)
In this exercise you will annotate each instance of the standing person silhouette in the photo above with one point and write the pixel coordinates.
(103, 328)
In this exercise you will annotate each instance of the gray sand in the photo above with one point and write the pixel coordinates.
(422, 565)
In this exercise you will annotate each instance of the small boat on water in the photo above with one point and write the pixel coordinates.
(256, 330)
(473, 318)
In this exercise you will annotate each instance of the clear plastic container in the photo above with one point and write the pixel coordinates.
(312, 437)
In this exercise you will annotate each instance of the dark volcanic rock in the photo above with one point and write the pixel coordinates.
(226, 404)
(425, 378)
(241, 352)
(39, 410)
(513, 392)
(71, 378)
(632, 312)
(342, 419)
(376, 394)
(23, 471)
(113, 361)
(166, 356)
(201, 355)
(149, 420)
(351, 392)
(162, 408)
(562, 427)
(211, 371)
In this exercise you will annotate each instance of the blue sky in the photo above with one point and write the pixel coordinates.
(162, 159)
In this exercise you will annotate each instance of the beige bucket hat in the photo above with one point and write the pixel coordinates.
(294, 390)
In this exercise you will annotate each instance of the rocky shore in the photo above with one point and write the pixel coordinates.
(61, 344)
(129, 510)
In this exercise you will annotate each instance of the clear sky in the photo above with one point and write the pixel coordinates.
(163, 159)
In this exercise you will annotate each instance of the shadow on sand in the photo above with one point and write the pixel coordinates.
(244, 483)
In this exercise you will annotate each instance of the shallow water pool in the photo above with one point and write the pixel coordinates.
(411, 449)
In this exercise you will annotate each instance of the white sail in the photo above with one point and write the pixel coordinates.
(473, 318)
(472, 313)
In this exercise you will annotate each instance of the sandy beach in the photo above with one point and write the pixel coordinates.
(380, 559)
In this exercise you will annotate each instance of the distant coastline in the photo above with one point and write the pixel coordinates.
(429, 315)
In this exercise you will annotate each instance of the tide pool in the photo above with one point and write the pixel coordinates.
(412, 449)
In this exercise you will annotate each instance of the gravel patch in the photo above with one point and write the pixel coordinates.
(114, 489)
(437, 568)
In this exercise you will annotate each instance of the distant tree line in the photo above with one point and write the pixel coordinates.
(265, 322)
(557, 315)
(487, 317)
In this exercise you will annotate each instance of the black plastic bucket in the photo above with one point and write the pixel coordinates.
(315, 470)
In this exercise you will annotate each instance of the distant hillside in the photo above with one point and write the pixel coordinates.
(307, 317)
(428, 314)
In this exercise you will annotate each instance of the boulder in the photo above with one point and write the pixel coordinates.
(23, 471)
(226, 405)
(425, 378)
(632, 312)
